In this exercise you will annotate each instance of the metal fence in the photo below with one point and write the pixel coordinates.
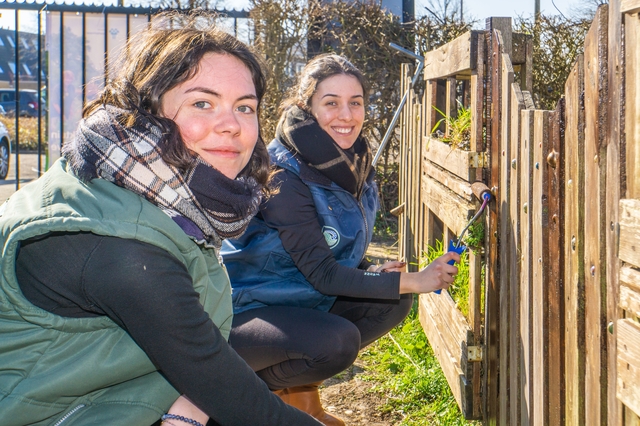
(70, 58)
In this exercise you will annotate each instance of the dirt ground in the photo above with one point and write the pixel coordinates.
(347, 395)
(352, 399)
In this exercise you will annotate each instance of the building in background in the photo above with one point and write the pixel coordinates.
(27, 69)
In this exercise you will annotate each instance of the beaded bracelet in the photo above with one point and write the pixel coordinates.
(182, 419)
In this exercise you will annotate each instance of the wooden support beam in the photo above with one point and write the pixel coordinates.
(460, 163)
(456, 57)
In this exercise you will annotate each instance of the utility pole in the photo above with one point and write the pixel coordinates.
(462, 9)
(537, 10)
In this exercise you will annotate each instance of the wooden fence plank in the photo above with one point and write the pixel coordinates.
(630, 290)
(539, 266)
(627, 6)
(632, 103)
(475, 313)
(523, 57)
(505, 242)
(451, 209)
(451, 106)
(515, 347)
(614, 187)
(573, 154)
(595, 100)
(630, 232)
(459, 162)
(404, 229)
(492, 305)
(459, 186)
(477, 97)
(629, 363)
(456, 57)
(416, 155)
(477, 144)
(429, 114)
(526, 296)
(554, 290)
(432, 319)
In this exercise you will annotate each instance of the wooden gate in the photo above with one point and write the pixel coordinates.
(556, 339)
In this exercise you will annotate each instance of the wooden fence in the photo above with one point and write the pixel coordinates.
(552, 336)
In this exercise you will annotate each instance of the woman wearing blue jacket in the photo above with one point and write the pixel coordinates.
(305, 299)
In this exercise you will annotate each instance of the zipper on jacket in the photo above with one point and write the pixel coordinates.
(364, 217)
(69, 414)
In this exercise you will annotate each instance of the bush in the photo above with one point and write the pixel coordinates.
(28, 132)
(557, 42)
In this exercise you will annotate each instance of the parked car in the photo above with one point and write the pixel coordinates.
(28, 102)
(5, 151)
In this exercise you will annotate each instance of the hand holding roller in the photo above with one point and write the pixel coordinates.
(483, 193)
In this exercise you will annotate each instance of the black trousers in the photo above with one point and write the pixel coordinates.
(290, 346)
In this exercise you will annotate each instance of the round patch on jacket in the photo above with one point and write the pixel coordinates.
(331, 236)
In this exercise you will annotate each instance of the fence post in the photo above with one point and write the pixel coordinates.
(499, 28)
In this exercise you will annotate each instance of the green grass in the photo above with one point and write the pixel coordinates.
(404, 369)
(459, 128)
(459, 290)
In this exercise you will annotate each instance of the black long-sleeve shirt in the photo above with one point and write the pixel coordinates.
(149, 293)
(293, 213)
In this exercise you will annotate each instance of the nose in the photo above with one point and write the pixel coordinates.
(345, 113)
(227, 122)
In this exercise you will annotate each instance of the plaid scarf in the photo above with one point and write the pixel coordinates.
(207, 205)
(300, 132)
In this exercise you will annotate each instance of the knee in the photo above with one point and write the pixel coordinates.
(343, 350)
(406, 303)
(402, 309)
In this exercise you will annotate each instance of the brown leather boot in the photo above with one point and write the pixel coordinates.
(307, 398)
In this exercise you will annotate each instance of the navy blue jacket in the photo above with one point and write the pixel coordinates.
(262, 273)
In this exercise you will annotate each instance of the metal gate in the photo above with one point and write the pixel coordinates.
(66, 54)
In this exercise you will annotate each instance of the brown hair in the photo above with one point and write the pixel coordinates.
(315, 72)
(165, 55)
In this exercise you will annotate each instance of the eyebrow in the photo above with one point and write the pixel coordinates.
(217, 95)
(337, 96)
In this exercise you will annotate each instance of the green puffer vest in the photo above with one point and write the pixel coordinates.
(87, 371)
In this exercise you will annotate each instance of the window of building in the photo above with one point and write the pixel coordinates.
(11, 42)
(25, 43)
(26, 69)
(12, 66)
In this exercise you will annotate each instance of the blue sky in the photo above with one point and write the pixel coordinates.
(479, 9)
(482, 9)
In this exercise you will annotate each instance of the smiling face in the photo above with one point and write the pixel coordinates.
(338, 106)
(216, 112)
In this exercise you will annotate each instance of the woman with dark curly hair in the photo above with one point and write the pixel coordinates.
(114, 305)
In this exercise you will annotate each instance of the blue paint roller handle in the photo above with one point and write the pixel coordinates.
(452, 247)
